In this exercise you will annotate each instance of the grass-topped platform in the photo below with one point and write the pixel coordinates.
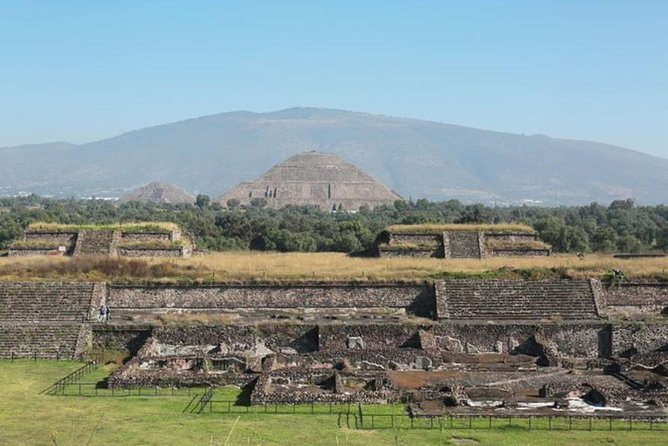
(143, 227)
(438, 228)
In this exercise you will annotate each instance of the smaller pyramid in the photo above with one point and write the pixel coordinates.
(321, 180)
(158, 192)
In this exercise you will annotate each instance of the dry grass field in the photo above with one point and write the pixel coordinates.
(243, 266)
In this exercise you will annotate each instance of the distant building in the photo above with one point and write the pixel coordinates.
(322, 180)
(158, 192)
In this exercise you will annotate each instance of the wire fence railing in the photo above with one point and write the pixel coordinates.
(97, 389)
(528, 422)
(70, 378)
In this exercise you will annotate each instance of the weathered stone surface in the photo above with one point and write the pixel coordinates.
(355, 342)
(322, 180)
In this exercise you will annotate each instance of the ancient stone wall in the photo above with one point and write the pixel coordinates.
(517, 252)
(120, 338)
(368, 336)
(63, 238)
(148, 252)
(388, 251)
(645, 337)
(580, 340)
(276, 337)
(630, 299)
(415, 298)
(132, 237)
(27, 252)
(416, 239)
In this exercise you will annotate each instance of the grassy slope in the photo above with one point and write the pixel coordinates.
(27, 418)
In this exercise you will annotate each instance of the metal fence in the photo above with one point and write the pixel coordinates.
(93, 389)
(355, 416)
(361, 420)
(70, 378)
(278, 408)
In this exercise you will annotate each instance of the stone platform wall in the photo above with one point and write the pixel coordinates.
(629, 299)
(416, 299)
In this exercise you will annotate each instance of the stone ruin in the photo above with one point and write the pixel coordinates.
(445, 346)
(459, 242)
(130, 240)
(158, 192)
(322, 180)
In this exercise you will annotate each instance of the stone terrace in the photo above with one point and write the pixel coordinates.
(44, 319)
(29, 301)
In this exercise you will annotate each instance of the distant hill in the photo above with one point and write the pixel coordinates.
(415, 158)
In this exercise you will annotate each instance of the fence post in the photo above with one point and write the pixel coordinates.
(570, 423)
(610, 423)
(470, 422)
(530, 422)
(630, 423)
(589, 423)
(549, 423)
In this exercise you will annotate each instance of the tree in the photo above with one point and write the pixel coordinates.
(258, 203)
(202, 201)
(233, 203)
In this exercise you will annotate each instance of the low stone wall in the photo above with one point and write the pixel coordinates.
(580, 340)
(518, 252)
(131, 237)
(120, 338)
(371, 336)
(631, 299)
(417, 239)
(27, 252)
(633, 338)
(415, 298)
(276, 337)
(60, 238)
(148, 252)
(413, 252)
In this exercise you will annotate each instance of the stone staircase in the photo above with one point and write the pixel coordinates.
(463, 245)
(519, 300)
(43, 320)
(96, 243)
(47, 341)
(45, 302)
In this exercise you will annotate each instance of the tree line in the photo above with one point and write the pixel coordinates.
(621, 226)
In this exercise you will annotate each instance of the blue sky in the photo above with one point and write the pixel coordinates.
(85, 70)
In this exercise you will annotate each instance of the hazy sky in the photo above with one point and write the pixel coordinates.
(85, 70)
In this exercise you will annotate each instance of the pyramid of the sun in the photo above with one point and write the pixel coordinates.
(322, 180)
(158, 192)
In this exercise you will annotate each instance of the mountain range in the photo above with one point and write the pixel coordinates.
(415, 158)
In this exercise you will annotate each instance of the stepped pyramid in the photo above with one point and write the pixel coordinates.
(158, 192)
(322, 180)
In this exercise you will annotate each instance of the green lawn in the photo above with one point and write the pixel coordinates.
(27, 418)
